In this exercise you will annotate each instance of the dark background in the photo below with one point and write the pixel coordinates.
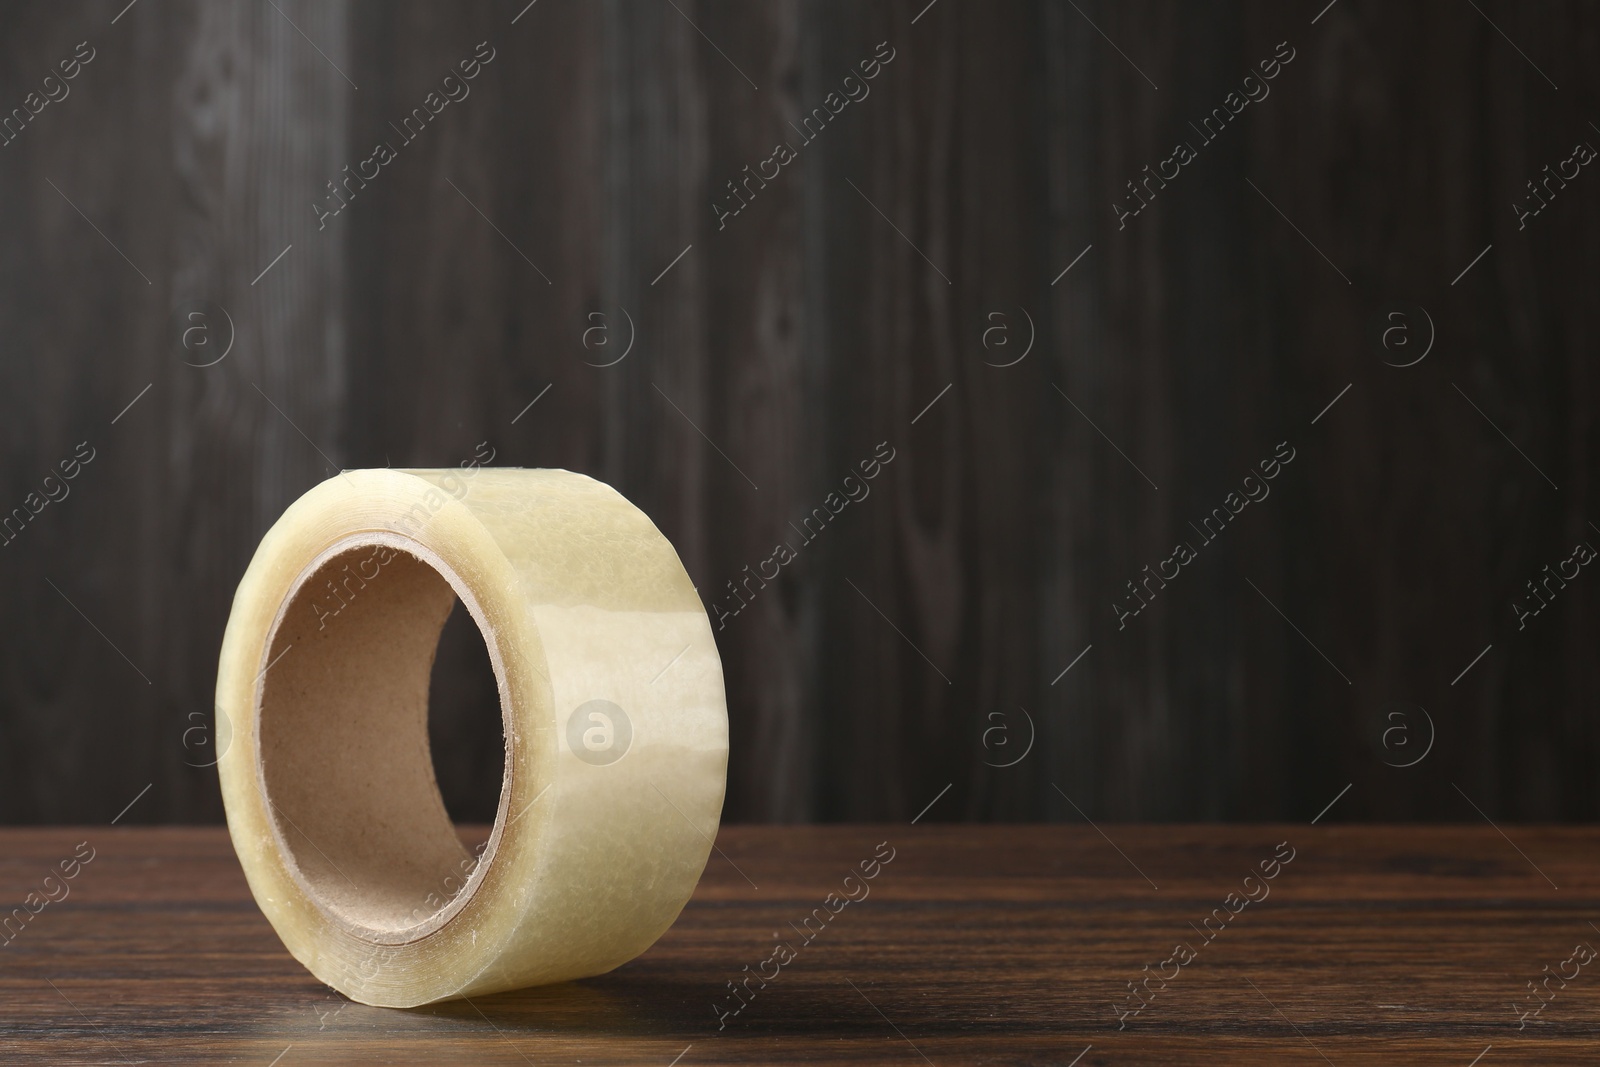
(922, 638)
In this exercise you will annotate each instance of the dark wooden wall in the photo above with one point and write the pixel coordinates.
(922, 638)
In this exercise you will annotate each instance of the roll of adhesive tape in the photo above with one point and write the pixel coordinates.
(615, 721)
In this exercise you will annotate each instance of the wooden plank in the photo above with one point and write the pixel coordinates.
(195, 141)
(755, 396)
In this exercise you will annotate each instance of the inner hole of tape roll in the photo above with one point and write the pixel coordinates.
(465, 730)
(345, 759)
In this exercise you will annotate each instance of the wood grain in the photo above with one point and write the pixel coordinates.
(1006, 944)
(856, 289)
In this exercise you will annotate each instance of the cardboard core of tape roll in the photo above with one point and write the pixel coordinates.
(344, 756)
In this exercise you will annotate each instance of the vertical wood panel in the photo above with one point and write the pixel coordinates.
(756, 315)
(191, 141)
(258, 122)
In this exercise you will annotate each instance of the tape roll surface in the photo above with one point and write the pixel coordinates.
(614, 714)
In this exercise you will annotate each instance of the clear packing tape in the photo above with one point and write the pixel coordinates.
(614, 713)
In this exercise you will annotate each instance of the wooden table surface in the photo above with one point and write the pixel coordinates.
(974, 944)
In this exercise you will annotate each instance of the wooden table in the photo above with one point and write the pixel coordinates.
(1002, 945)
